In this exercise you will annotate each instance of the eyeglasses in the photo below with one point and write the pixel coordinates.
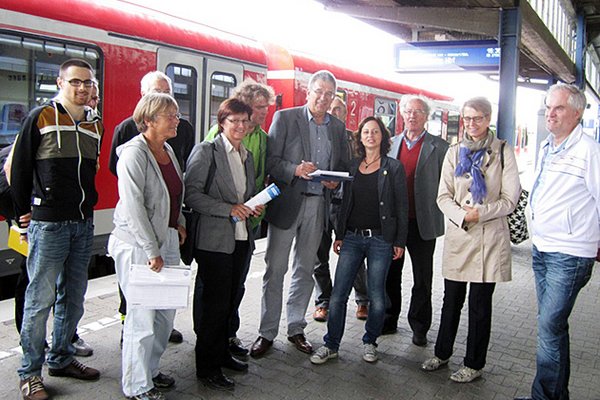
(172, 116)
(77, 82)
(321, 93)
(477, 120)
(238, 121)
(416, 112)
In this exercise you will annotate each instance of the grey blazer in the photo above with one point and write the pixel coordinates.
(427, 178)
(288, 145)
(216, 227)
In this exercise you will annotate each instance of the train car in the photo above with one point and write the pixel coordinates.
(124, 41)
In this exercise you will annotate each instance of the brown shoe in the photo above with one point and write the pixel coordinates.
(260, 347)
(33, 388)
(320, 314)
(301, 343)
(76, 370)
(362, 312)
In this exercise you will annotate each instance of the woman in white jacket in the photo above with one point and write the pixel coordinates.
(148, 230)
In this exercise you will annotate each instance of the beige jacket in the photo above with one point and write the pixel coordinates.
(479, 252)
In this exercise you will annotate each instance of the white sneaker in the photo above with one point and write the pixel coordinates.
(433, 364)
(82, 349)
(465, 375)
(369, 352)
(323, 354)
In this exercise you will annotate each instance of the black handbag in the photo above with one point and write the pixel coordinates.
(517, 221)
(192, 219)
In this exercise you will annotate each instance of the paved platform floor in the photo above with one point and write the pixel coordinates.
(285, 373)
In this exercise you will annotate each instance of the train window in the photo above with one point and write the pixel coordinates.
(221, 86)
(28, 71)
(453, 126)
(185, 82)
(386, 110)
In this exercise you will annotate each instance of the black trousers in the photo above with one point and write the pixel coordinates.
(480, 321)
(421, 255)
(219, 274)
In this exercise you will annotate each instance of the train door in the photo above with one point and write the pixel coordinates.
(186, 72)
(221, 77)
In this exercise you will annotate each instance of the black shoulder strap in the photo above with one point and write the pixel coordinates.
(211, 169)
(502, 153)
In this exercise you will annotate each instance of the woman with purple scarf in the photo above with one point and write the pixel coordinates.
(479, 187)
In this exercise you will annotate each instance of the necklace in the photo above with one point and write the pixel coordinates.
(367, 164)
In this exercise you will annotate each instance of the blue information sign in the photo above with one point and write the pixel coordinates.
(469, 55)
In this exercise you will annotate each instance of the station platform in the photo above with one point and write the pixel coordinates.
(285, 373)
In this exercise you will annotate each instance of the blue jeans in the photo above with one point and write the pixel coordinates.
(354, 250)
(59, 254)
(558, 278)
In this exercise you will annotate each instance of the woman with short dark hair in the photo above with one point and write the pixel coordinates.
(224, 240)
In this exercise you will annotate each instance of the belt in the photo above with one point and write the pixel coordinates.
(310, 194)
(366, 232)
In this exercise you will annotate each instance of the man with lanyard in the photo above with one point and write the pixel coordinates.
(422, 156)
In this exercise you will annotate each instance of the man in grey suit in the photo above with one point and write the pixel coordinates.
(301, 140)
(422, 155)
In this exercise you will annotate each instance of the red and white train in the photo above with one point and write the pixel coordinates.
(123, 42)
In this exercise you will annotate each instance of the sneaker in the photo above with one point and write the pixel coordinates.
(175, 336)
(320, 314)
(76, 370)
(82, 349)
(369, 352)
(236, 348)
(434, 363)
(465, 375)
(151, 394)
(323, 354)
(163, 381)
(33, 388)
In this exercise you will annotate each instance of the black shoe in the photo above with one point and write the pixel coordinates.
(163, 381)
(175, 336)
(419, 340)
(389, 329)
(236, 349)
(218, 381)
(235, 365)
(524, 398)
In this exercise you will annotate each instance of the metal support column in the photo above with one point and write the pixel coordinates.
(510, 36)
(581, 40)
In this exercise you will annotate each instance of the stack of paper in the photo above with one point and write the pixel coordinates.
(165, 290)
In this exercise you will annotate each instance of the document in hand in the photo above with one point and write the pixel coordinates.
(324, 175)
(265, 196)
(165, 290)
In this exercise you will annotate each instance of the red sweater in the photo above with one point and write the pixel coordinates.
(409, 159)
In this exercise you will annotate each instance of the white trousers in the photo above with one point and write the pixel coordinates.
(146, 332)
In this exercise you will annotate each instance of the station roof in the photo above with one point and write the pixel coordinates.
(541, 56)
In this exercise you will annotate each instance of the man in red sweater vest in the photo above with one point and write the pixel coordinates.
(422, 155)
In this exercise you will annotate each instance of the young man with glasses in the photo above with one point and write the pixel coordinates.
(53, 172)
